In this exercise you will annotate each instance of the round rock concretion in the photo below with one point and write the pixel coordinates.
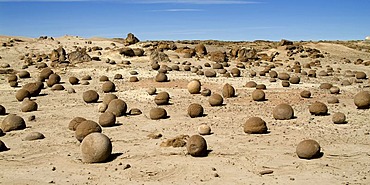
(95, 148)
(196, 146)
(90, 96)
(13, 122)
(215, 100)
(308, 149)
(362, 100)
(283, 112)
(157, 113)
(85, 128)
(255, 125)
(118, 107)
(195, 110)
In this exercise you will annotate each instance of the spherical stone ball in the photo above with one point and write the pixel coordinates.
(318, 109)
(283, 112)
(255, 125)
(305, 94)
(57, 87)
(33, 88)
(13, 84)
(118, 107)
(285, 83)
(96, 148)
(157, 113)
(103, 78)
(13, 122)
(258, 95)
(334, 90)
(195, 110)
(228, 91)
(235, 72)
(53, 79)
(85, 128)
(308, 149)
(118, 76)
(24, 74)
(333, 100)
(108, 86)
(45, 73)
(90, 96)
(210, 73)
(294, 80)
(151, 90)
(155, 66)
(161, 77)
(28, 106)
(261, 86)
(12, 78)
(162, 98)
(133, 79)
(339, 118)
(196, 146)
(87, 77)
(102, 107)
(107, 119)
(204, 129)
(108, 98)
(283, 76)
(194, 86)
(2, 110)
(215, 100)
(362, 100)
(73, 80)
(251, 84)
(361, 75)
(325, 86)
(273, 74)
(3, 146)
(206, 92)
(75, 122)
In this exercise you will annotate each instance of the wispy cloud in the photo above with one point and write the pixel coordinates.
(178, 10)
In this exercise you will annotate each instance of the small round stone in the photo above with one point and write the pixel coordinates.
(305, 94)
(12, 122)
(255, 125)
(318, 109)
(362, 100)
(194, 86)
(75, 122)
(90, 96)
(118, 107)
(85, 128)
(108, 86)
(228, 91)
(204, 129)
(34, 136)
(308, 149)
(339, 118)
(195, 110)
(215, 100)
(196, 146)
(28, 106)
(157, 113)
(107, 119)
(258, 95)
(283, 112)
(151, 90)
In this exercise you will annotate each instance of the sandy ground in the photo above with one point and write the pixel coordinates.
(234, 158)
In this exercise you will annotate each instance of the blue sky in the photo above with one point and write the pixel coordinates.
(189, 19)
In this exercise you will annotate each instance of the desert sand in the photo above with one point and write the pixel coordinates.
(234, 156)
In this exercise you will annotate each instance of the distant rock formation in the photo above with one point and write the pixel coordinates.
(79, 56)
(131, 39)
(367, 38)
